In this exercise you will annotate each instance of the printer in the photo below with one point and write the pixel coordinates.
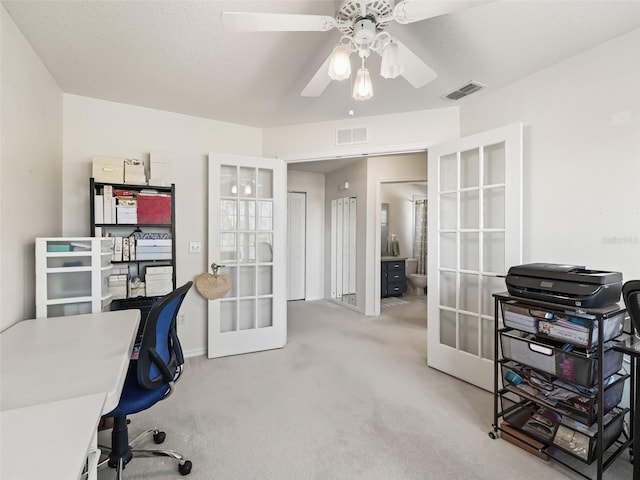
(572, 285)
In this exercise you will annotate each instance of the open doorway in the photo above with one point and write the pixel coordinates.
(326, 180)
(403, 224)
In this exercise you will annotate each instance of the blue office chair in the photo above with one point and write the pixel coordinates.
(150, 378)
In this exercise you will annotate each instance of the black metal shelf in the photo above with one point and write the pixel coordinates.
(603, 457)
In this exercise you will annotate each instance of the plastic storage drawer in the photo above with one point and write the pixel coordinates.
(579, 403)
(575, 366)
(576, 328)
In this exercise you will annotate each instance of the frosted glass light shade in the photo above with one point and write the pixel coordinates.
(340, 65)
(391, 66)
(362, 88)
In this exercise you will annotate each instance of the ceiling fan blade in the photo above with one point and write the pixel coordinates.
(275, 22)
(415, 71)
(319, 82)
(409, 11)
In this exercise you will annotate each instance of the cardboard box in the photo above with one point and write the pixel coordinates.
(108, 169)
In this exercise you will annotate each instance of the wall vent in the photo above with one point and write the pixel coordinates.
(351, 136)
(465, 90)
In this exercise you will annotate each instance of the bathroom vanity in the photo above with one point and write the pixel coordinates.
(393, 282)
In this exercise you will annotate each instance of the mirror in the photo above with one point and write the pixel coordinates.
(384, 228)
(343, 250)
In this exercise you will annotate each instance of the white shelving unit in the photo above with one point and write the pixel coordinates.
(72, 275)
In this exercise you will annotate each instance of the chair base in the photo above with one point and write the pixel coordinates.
(119, 460)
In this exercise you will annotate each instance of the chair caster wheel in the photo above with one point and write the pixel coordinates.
(492, 435)
(159, 437)
(185, 468)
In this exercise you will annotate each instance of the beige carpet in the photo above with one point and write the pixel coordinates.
(349, 397)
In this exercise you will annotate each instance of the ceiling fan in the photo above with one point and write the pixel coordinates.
(362, 24)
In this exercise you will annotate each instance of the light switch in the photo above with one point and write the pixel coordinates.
(195, 247)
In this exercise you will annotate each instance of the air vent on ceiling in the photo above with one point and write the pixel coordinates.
(465, 90)
(350, 136)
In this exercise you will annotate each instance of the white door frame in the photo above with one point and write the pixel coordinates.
(378, 256)
(304, 247)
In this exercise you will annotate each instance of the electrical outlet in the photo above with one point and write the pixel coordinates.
(181, 320)
(195, 247)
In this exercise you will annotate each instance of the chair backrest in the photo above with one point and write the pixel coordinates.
(160, 352)
(631, 296)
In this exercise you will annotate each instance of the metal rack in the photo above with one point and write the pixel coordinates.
(603, 457)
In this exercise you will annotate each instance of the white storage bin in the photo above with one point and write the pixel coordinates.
(108, 169)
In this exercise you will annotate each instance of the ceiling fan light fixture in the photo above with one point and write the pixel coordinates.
(340, 65)
(363, 88)
(391, 67)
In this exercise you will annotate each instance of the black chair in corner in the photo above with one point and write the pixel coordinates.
(631, 297)
(150, 378)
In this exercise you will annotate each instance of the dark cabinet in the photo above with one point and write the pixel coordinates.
(393, 282)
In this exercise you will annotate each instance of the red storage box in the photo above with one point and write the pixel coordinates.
(154, 209)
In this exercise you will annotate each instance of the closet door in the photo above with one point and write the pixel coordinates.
(247, 234)
(475, 235)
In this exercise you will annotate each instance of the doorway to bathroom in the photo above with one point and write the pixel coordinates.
(402, 233)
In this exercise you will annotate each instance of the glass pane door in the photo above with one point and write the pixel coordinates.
(247, 215)
(475, 235)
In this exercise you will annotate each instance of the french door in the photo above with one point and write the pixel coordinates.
(247, 236)
(475, 235)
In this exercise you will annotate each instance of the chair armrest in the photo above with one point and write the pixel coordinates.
(158, 362)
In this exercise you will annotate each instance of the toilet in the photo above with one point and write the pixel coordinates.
(417, 282)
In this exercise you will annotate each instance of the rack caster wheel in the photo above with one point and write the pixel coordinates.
(185, 468)
(159, 437)
(492, 435)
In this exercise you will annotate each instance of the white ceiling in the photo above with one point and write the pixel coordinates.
(175, 56)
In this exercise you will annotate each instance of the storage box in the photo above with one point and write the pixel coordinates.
(159, 169)
(154, 209)
(108, 169)
(579, 403)
(580, 441)
(134, 172)
(577, 366)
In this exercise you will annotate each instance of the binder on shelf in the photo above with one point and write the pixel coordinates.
(117, 249)
(125, 249)
(107, 192)
(98, 208)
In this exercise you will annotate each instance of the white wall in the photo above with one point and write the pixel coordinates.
(30, 170)
(386, 134)
(313, 185)
(97, 127)
(582, 155)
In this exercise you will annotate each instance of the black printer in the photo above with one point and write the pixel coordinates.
(565, 284)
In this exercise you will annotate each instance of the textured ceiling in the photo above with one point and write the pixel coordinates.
(175, 56)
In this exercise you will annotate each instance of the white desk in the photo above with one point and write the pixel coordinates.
(63, 369)
(29, 444)
(52, 359)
